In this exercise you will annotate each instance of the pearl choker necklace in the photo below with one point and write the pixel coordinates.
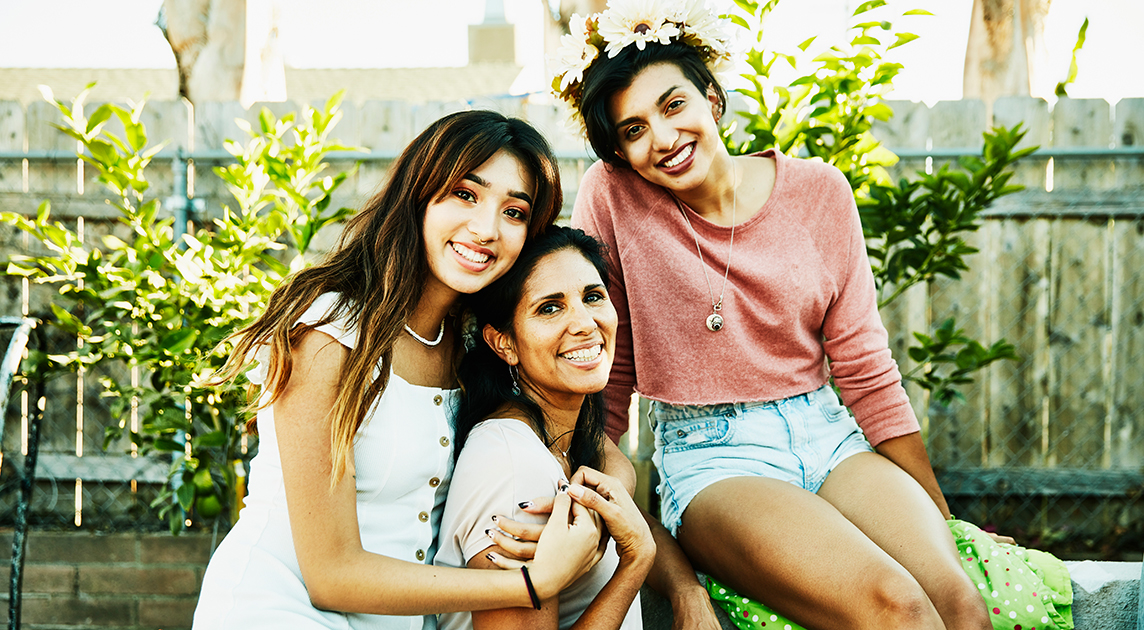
(440, 335)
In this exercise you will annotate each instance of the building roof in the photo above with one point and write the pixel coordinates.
(302, 85)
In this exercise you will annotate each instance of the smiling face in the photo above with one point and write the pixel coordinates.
(563, 331)
(474, 233)
(666, 128)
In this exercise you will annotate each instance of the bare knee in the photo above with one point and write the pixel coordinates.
(963, 608)
(899, 602)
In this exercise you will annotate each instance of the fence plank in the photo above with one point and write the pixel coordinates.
(957, 124)
(425, 114)
(11, 140)
(908, 129)
(1079, 324)
(49, 178)
(1128, 342)
(1128, 131)
(386, 127)
(1082, 123)
(1019, 290)
(11, 181)
(347, 133)
(166, 120)
(550, 121)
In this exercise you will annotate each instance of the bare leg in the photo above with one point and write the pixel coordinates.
(895, 512)
(794, 551)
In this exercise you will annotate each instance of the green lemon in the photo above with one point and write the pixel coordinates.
(208, 506)
(204, 485)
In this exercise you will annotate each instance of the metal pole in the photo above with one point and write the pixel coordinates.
(19, 536)
(178, 199)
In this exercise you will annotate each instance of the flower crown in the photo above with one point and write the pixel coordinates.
(638, 22)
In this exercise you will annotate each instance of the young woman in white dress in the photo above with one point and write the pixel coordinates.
(356, 358)
(531, 414)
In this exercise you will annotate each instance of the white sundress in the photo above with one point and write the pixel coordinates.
(403, 458)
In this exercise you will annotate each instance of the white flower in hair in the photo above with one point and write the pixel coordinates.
(702, 27)
(576, 52)
(636, 22)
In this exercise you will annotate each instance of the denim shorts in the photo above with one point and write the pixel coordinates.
(798, 439)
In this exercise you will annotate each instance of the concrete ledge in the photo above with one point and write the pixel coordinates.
(1106, 596)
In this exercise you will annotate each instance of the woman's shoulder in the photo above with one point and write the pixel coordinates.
(502, 443)
(509, 432)
(328, 314)
(812, 170)
(604, 178)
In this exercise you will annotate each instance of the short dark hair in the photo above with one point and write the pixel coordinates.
(608, 76)
(484, 376)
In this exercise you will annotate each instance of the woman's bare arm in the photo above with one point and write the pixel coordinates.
(339, 574)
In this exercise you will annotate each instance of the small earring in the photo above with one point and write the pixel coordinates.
(512, 373)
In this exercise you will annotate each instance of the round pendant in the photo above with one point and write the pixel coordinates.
(714, 322)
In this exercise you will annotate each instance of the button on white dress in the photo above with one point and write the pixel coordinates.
(403, 459)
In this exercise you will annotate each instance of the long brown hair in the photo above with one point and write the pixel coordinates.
(379, 265)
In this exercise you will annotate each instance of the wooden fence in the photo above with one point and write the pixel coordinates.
(1051, 441)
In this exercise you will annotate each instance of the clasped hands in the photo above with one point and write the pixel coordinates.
(596, 498)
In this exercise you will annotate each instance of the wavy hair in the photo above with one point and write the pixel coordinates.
(486, 385)
(379, 265)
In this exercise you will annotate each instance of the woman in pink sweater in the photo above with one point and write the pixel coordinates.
(742, 287)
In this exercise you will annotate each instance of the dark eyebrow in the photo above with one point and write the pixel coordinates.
(593, 287)
(551, 296)
(476, 179)
(658, 103)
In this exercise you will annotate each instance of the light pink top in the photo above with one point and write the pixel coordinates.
(800, 292)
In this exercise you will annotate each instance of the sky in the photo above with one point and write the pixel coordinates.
(359, 33)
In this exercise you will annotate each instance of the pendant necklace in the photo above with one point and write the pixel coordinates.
(553, 443)
(715, 320)
(440, 335)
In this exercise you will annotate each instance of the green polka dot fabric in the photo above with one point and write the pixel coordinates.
(1024, 589)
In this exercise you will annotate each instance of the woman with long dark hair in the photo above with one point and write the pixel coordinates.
(743, 287)
(530, 415)
(356, 360)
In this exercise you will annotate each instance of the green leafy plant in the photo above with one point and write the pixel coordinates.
(1062, 87)
(147, 298)
(915, 229)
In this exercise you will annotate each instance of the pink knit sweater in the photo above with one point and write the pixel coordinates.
(799, 305)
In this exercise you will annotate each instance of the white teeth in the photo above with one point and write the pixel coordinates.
(469, 254)
(677, 160)
(584, 354)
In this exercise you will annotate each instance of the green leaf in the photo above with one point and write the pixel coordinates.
(165, 444)
(186, 496)
(179, 341)
(869, 6)
(917, 12)
(806, 43)
(98, 117)
(903, 38)
(214, 438)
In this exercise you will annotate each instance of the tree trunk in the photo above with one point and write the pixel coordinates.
(1006, 53)
(226, 50)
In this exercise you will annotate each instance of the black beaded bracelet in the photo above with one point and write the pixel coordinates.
(531, 590)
